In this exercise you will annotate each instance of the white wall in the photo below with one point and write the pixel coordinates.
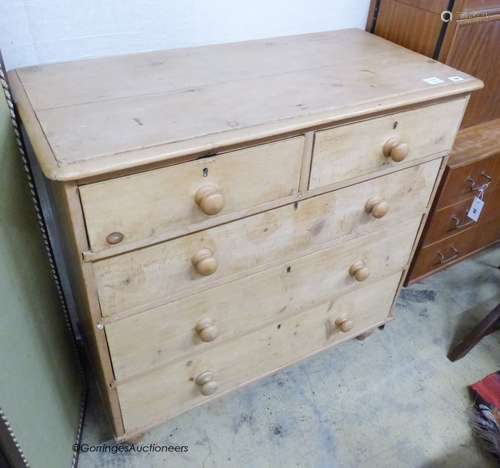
(42, 31)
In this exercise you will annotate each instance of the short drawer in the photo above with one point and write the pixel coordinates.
(176, 199)
(453, 219)
(178, 329)
(463, 182)
(180, 386)
(150, 276)
(357, 149)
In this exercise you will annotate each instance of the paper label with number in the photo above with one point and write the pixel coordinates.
(475, 209)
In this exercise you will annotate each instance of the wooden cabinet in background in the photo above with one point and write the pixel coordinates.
(464, 34)
(473, 46)
(414, 24)
(470, 41)
(450, 236)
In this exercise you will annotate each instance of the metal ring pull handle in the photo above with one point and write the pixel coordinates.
(444, 259)
(460, 224)
(475, 186)
(486, 176)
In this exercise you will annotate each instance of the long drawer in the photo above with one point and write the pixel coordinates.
(148, 277)
(204, 320)
(173, 389)
(357, 149)
(174, 200)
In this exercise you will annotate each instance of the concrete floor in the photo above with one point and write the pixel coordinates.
(393, 400)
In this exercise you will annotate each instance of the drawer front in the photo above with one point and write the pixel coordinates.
(444, 252)
(454, 248)
(453, 219)
(148, 277)
(173, 389)
(462, 182)
(357, 149)
(490, 232)
(178, 329)
(176, 199)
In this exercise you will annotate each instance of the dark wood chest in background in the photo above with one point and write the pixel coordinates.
(464, 34)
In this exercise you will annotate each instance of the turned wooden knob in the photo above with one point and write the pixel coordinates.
(359, 271)
(114, 238)
(209, 198)
(206, 382)
(396, 150)
(377, 207)
(344, 323)
(207, 329)
(204, 262)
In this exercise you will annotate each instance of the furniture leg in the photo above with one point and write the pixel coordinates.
(488, 325)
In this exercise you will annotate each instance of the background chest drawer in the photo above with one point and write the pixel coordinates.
(176, 199)
(447, 251)
(463, 181)
(173, 331)
(453, 219)
(473, 166)
(175, 388)
(357, 149)
(148, 277)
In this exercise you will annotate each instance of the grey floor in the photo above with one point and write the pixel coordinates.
(393, 400)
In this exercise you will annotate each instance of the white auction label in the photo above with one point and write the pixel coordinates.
(475, 209)
(456, 78)
(433, 80)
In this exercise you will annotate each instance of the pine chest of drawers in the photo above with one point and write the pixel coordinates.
(229, 210)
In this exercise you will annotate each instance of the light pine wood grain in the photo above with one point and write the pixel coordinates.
(148, 277)
(212, 221)
(162, 201)
(169, 333)
(232, 209)
(69, 218)
(356, 149)
(171, 390)
(96, 122)
(416, 242)
(166, 71)
(306, 162)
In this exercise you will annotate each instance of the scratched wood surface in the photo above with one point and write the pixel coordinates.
(352, 150)
(130, 142)
(171, 390)
(162, 201)
(168, 333)
(102, 115)
(136, 280)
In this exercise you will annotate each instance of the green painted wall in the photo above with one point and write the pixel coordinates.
(40, 389)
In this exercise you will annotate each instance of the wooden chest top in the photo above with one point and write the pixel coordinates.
(98, 116)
